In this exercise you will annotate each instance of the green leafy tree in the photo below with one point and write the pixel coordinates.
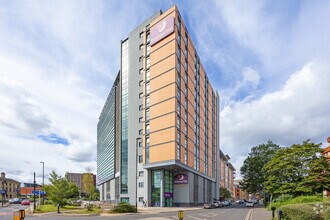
(224, 193)
(89, 186)
(251, 171)
(60, 189)
(297, 170)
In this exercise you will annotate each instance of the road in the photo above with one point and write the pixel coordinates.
(234, 212)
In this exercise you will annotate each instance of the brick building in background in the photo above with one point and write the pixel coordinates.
(11, 186)
(227, 173)
(77, 178)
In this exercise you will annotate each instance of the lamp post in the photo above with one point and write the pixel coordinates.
(43, 181)
(136, 170)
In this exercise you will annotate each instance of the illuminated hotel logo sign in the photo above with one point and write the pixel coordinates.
(162, 29)
(181, 179)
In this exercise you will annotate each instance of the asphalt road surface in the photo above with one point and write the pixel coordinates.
(234, 212)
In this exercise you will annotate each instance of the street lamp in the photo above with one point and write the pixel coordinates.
(43, 181)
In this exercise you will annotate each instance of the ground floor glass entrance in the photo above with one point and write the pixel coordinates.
(161, 188)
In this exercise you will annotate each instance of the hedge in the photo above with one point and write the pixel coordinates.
(124, 207)
(318, 211)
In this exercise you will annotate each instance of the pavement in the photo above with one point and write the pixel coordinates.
(156, 210)
(259, 214)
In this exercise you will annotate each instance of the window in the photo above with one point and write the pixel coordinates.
(179, 94)
(179, 40)
(140, 143)
(141, 71)
(148, 49)
(179, 24)
(141, 173)
(148, 88)
(147, 100)
(140, 132)
(141, 58)
(179, 80)
(186, 39)
(141, 199)
(141, 184)
(147, 113)
(179, 67)
(141, 83)
(140, 159)
(140, 107)
(179, 53)
(179, 108)
(141, 47)
(147, 128)
(148, 62)
(141, 34)
(147, 141)
(148, 38)
(140, 119)
(178, 122)
(141, 95)
(186, 116)
(148, 75)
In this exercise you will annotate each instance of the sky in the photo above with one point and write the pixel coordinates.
(269, 61)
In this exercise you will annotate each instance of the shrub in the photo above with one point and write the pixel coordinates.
(124, 207)
(279, 202)
(299, 212)
(283, 198)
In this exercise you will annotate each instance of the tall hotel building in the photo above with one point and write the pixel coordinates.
(158, 132)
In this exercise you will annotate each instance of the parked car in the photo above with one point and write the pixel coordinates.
(255, 201)
(25, 202)
(220, 203)
(215, 204)
(227, 203)
(11, 201)
(249, 204)
(207, 206)
(239, 202)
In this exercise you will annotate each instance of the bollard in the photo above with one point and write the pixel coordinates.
(280, 214)
(58, 208)
(180, 215)
(273, 211)
(21, 214)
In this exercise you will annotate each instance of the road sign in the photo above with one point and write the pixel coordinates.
(37, 192)
(2, 191)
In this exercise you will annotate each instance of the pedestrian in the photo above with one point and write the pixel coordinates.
(144, 203)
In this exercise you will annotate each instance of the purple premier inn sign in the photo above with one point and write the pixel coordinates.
(181, 179)
(162, 29)
(168, 195)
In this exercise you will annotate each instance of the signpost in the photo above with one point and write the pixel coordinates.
(38, 192)
(3, 193)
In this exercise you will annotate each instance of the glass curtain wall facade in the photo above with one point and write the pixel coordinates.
(124, 119)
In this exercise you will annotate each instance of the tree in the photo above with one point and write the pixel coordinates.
(60, 189)
(89, 186)
(251, 171)
(297, 170)
(224, 193)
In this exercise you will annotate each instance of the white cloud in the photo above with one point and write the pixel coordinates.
(292, 114)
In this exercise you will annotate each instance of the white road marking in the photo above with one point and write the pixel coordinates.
(214, 215)
(175, 217)
(204, 215)
(194, 217)
(247, 217)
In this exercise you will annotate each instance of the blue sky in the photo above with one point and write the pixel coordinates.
(269, 61)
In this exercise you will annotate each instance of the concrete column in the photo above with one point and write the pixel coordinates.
(162, 199)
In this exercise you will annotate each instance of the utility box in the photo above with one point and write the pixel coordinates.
(20, 215)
